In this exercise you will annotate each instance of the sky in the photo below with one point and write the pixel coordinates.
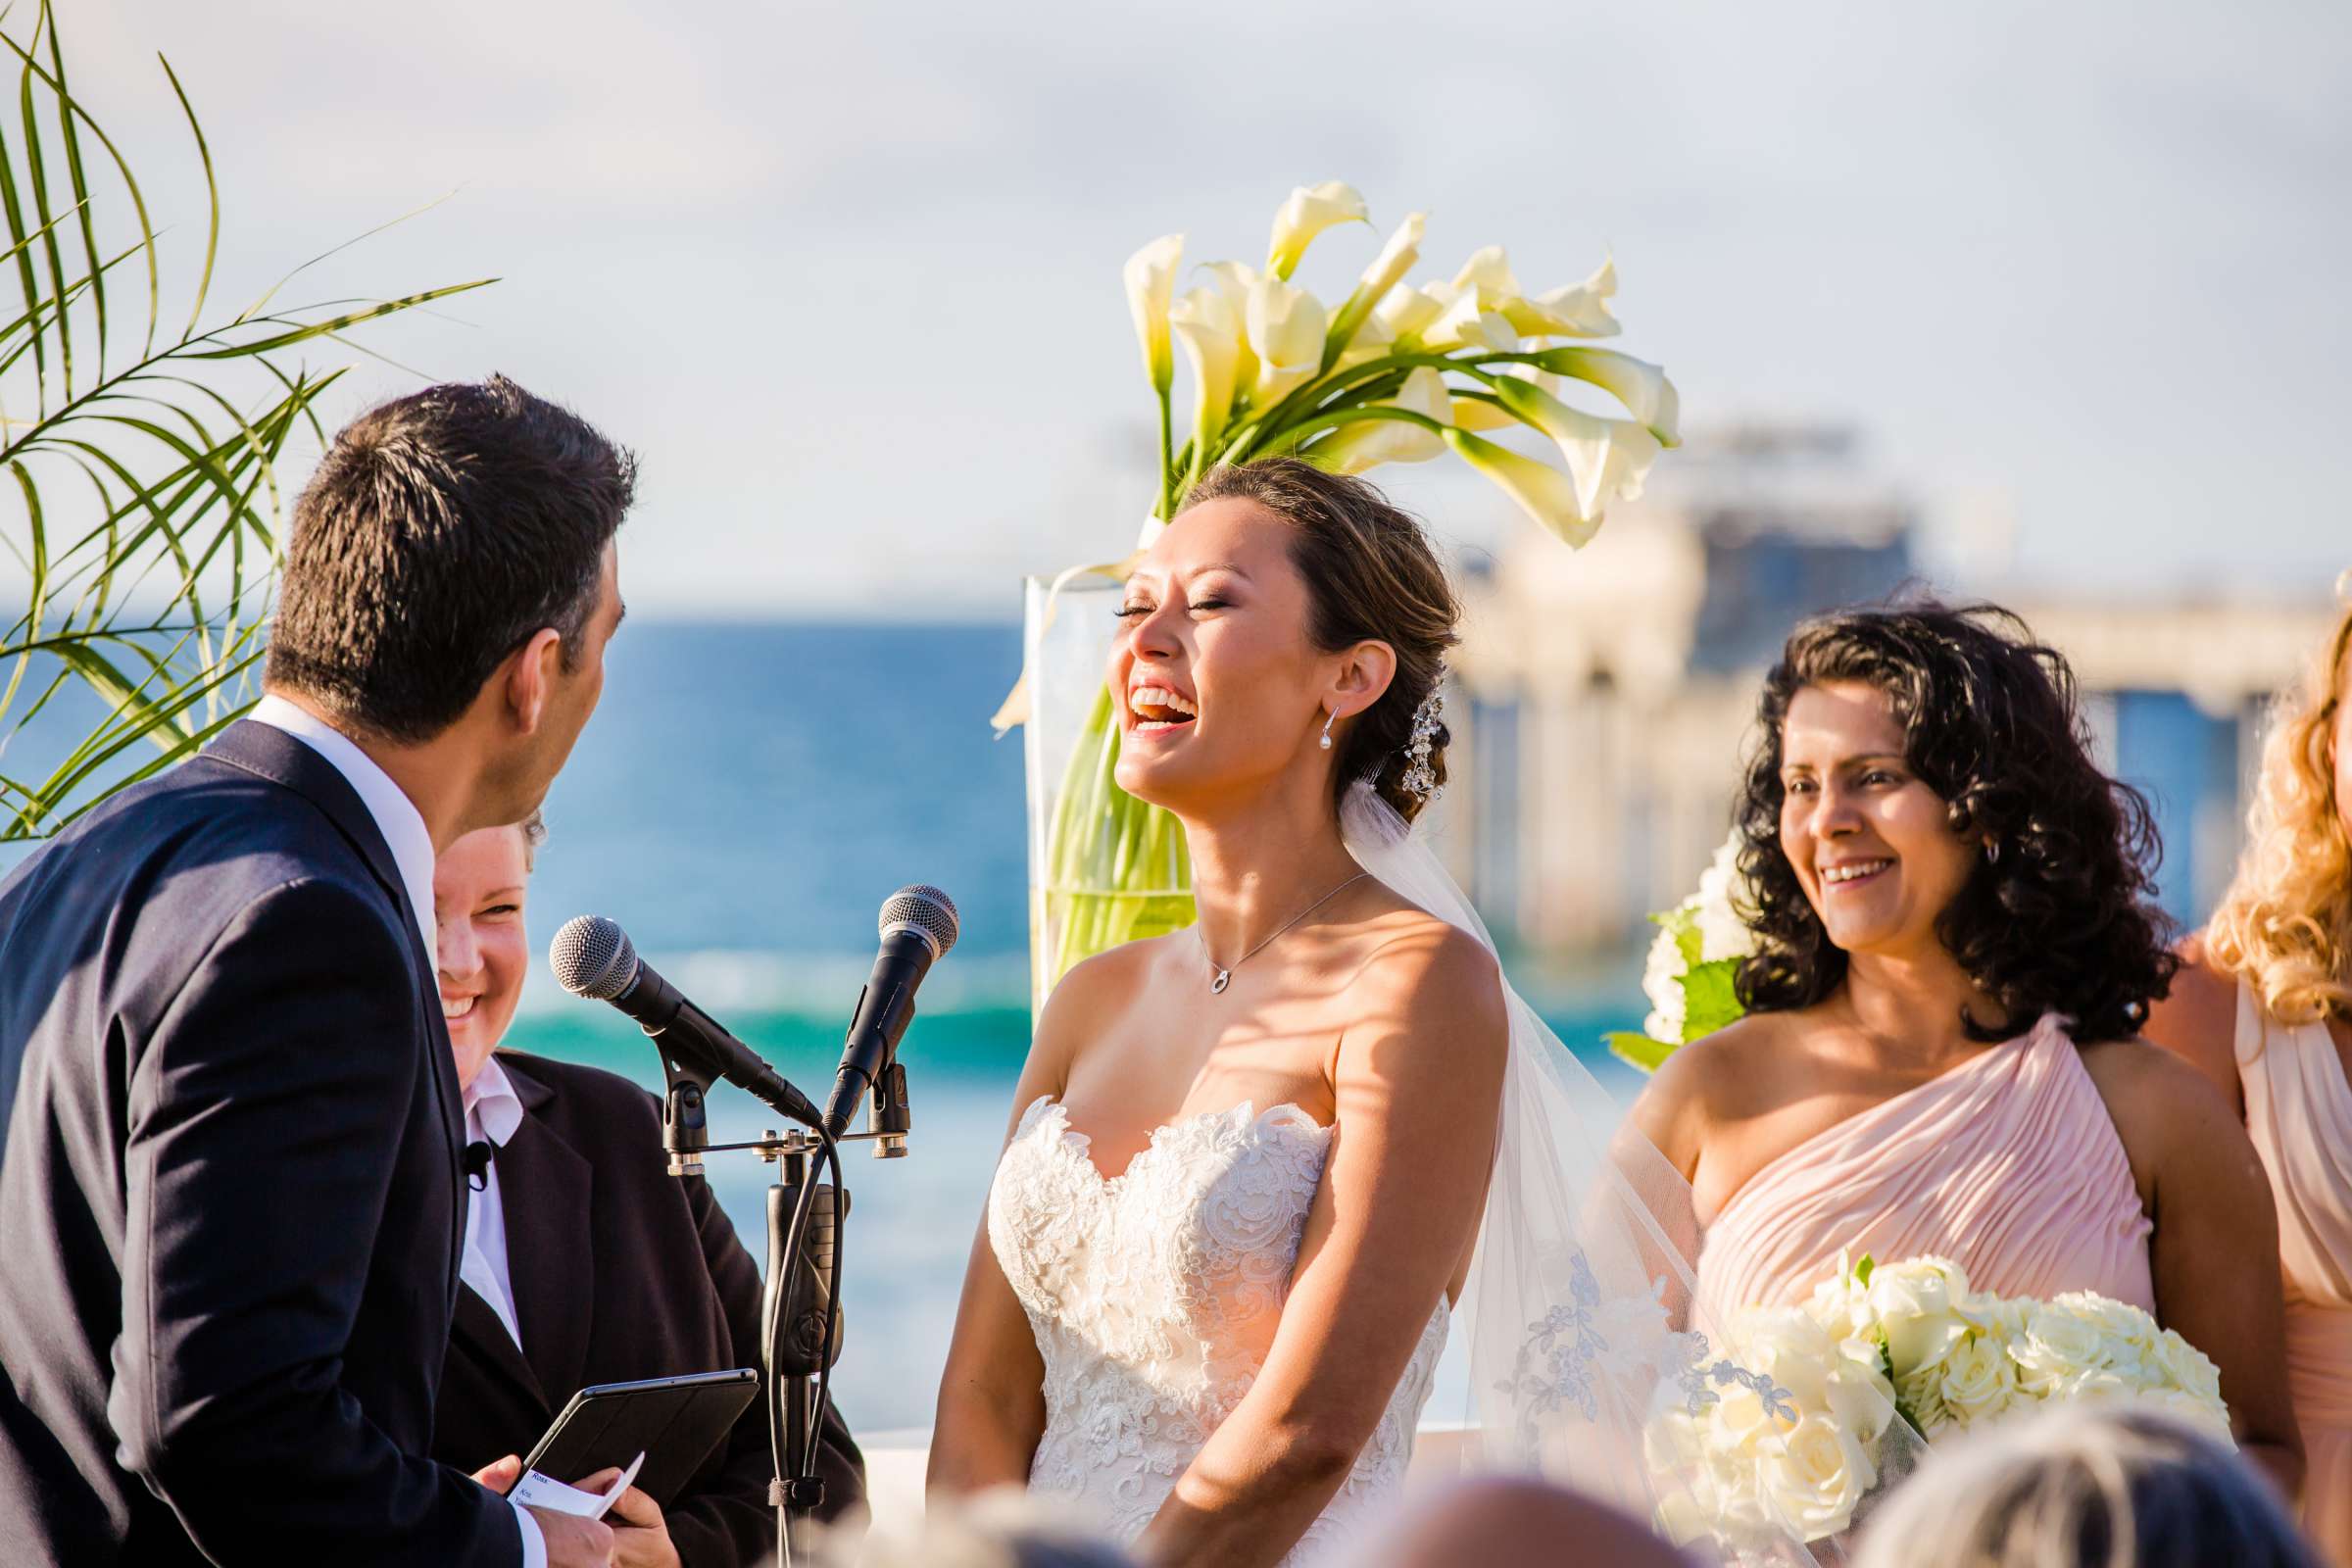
(847, 278)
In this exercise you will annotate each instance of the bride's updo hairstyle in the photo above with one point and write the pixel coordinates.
(1371, 576)
(2058, 914)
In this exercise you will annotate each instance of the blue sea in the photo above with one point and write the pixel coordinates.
(745, 799)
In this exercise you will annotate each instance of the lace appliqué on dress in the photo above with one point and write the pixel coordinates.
(1155, 1296)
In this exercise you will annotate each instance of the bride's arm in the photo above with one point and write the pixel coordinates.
(1417, 1079)
(992, 1402)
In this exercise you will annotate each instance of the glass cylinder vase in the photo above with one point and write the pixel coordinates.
(1104, 868)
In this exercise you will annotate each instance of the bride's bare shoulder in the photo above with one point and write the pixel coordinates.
(1419, 974)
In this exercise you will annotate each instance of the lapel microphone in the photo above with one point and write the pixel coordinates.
(476, 1160)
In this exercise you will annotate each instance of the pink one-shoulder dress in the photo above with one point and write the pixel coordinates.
(2299, 1114)
(2007, 1165)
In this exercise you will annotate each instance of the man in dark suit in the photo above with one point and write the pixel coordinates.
(230, 1193)
(586, 1261)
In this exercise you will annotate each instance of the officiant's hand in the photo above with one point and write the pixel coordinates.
(640, 1537)
(571, 1542)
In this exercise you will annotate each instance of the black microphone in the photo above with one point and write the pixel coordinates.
(475, 1157)
(919, 927)
(593, 957)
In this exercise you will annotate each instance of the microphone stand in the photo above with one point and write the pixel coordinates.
(801, 1314)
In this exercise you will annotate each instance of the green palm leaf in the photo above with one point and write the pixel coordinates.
(148, 574)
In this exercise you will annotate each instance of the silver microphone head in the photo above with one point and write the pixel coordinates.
(592, 957)
(926, 912)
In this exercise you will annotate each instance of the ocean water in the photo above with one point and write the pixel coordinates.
(743, 802)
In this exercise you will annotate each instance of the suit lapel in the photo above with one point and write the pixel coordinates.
(545, 1185)
(272, 754)
(475, 1327)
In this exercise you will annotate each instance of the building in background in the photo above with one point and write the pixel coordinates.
(1611, 690)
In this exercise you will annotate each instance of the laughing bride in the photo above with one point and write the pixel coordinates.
(1247, 1160)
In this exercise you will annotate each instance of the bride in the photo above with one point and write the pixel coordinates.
(1249, 1159)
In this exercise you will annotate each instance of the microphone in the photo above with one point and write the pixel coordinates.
(475, 1157)
(919, 927)
(592, 957)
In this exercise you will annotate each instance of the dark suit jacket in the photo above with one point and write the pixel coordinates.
(229, 1197)
(620, 1271)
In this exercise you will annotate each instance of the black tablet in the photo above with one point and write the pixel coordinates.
(674, 1422)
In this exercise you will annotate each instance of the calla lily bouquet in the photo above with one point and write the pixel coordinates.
(1397, 371)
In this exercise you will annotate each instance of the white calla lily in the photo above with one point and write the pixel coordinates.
(1487, 272)
(1396, 258)
(1388, 270)
(1234, 280)
(1369, 341)
(1406, 311)
(1609, 457)
(1309, 211)
(1210, 332)
(1639, 385)
(1580, 310)
(1465, 324)
(1472, 413)
(1541, 490)
(1151, 276)
(1354, 447)
(1287, 327)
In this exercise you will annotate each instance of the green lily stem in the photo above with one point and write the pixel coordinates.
(1167, 458)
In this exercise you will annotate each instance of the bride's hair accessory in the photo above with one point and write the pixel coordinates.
(1419, 779)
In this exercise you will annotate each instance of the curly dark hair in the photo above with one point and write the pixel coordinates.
(1371, 576)
(2059, 914)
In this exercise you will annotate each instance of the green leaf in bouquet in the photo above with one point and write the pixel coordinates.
(1709, 999)
(1638, 1050)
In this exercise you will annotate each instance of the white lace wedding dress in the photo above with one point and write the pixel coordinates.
(1155, 1295)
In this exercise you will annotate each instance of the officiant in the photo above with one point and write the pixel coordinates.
(585, 1261)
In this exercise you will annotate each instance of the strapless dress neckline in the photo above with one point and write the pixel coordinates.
(1155, 1295)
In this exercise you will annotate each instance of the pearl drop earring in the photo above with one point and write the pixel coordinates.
(1327, 719)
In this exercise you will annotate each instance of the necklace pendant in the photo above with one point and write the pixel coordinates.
(1217, 985)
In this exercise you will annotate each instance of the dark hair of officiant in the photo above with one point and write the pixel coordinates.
(1371, 576)
(441, 531)
(2058, 913)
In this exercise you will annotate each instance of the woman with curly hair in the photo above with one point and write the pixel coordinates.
(1956, 948)
(2263, 1008)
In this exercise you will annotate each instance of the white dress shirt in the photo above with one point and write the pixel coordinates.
(493, 1112)
(403, 826)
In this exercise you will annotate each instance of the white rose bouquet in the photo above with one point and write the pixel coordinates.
(1796, 1443)
(1691, 963)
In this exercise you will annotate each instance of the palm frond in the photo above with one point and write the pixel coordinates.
(141, 511)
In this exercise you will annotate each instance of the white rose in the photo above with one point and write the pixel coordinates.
(1977, 1381)
(2188, 1369)
(1917, 1304)
(2056, 1351)
(1819, 1476)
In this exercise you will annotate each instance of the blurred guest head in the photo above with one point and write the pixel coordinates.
(479, 888)
(2085, 1486)
(1281, 596)
(1516, 1521)
(1006, 1527)
(2286, 924)
(450, 570)
(1922, 777)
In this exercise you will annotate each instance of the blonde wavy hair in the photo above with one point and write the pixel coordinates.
(2284, 927)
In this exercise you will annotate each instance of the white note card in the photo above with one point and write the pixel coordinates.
(535, 1490)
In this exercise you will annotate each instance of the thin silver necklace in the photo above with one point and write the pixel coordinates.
(1222, 976)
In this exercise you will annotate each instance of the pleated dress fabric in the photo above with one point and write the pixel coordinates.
(2007, 1165)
